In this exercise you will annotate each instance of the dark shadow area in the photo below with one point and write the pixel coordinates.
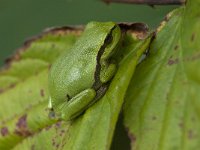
(121, 140)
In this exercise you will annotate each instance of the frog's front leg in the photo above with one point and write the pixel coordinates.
(107, 72)
(72, 108)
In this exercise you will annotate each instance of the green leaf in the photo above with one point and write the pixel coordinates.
(24, 90)
(24, 96)
(162, 108)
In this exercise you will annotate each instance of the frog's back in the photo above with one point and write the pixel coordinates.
(74, 71)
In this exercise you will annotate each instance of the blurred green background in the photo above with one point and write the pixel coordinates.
(20, 19)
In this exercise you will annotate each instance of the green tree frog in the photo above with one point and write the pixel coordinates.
(81, 76)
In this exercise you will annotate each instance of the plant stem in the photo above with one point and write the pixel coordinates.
(148, 2)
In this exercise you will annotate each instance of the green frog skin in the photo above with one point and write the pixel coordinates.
(81, 76)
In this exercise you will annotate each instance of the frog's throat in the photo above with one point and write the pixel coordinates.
(97, 84)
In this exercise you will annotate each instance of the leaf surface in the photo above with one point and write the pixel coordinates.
(162, 108)
(24, 89)
(24, 96)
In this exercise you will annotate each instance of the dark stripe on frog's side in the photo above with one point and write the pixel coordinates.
(97, 84)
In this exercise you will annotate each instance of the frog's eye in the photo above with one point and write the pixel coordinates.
(111, 42)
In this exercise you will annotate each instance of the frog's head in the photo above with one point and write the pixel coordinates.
(111, 42)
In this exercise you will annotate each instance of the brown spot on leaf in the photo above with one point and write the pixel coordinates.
(192, 37)
(1, 91)
(9, 60)
(63, 145)
(76, 30)
(167, 17)
(12, 85)
(193, 57)
(181, 125)
(42, 92)
(33, 147)
(154, 118)
(173, 61)
(53, 143)
(36, 73)
(58, 125)
(57, 145)
(4, 131)
(160, 27)
(21, 127)
(22, 122)
(48, 127)
(3, 122)
(49, 67)
(62, 131)
(7, 88)
(176, 47)
(190, 134)
(132, 137)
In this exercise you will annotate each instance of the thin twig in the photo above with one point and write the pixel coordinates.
(148, 2)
